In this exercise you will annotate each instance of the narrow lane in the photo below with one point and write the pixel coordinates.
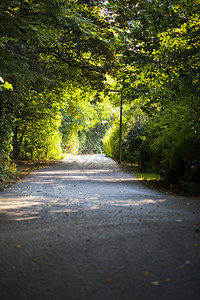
(84, 229)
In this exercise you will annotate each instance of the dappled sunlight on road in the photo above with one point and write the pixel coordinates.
(30, 207)
(86, 217)
(76, 187)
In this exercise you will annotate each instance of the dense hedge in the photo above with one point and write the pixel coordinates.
(168, 144)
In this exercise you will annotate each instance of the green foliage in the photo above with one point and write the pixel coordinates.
(173, 140)
(58, 56)
(111, 142)
(41, 140)
(111, 139)
(158, 66)
(132, 144)
(173, 133)
(84, 120)
(7, 169)
(47, 47)
(6, 165)
(91, 141)
(147, 176)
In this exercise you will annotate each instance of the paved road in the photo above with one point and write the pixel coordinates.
(82, 229)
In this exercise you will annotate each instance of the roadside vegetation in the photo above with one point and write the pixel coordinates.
(60, 59)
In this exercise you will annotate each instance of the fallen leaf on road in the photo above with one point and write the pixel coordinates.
(146, 274)
(155, 283)
(122, 267)
(120, 211)
(188, 203)
(148, 251)
(167, 280)
(108, 280)
(84, 249)
(43, 239)
(17, 246)
(146, 285)
(182, 266)
(113, 246)
(44, 257)
(76, 222)
(78, 265)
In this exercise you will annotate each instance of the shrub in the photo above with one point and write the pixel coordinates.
(111, 142)
(173, 140)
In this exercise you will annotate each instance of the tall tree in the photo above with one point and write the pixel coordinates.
(158, 68)
(44, 46)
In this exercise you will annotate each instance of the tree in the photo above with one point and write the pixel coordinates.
(83, 118)
(45, 47)
(158, 65)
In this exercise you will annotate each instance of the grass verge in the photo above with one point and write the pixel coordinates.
(151, 179)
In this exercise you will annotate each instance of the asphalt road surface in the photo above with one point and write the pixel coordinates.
(83, 229)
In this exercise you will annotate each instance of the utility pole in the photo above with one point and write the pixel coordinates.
(120, 126)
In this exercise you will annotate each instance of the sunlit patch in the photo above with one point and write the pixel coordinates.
(82, 190)
(58, 211)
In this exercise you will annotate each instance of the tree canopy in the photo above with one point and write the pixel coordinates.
(59, 58)
(158, 59)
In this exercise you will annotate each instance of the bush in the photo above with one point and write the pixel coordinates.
(173, 142)
(132, 144)
(111, 142)
(91, 140)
